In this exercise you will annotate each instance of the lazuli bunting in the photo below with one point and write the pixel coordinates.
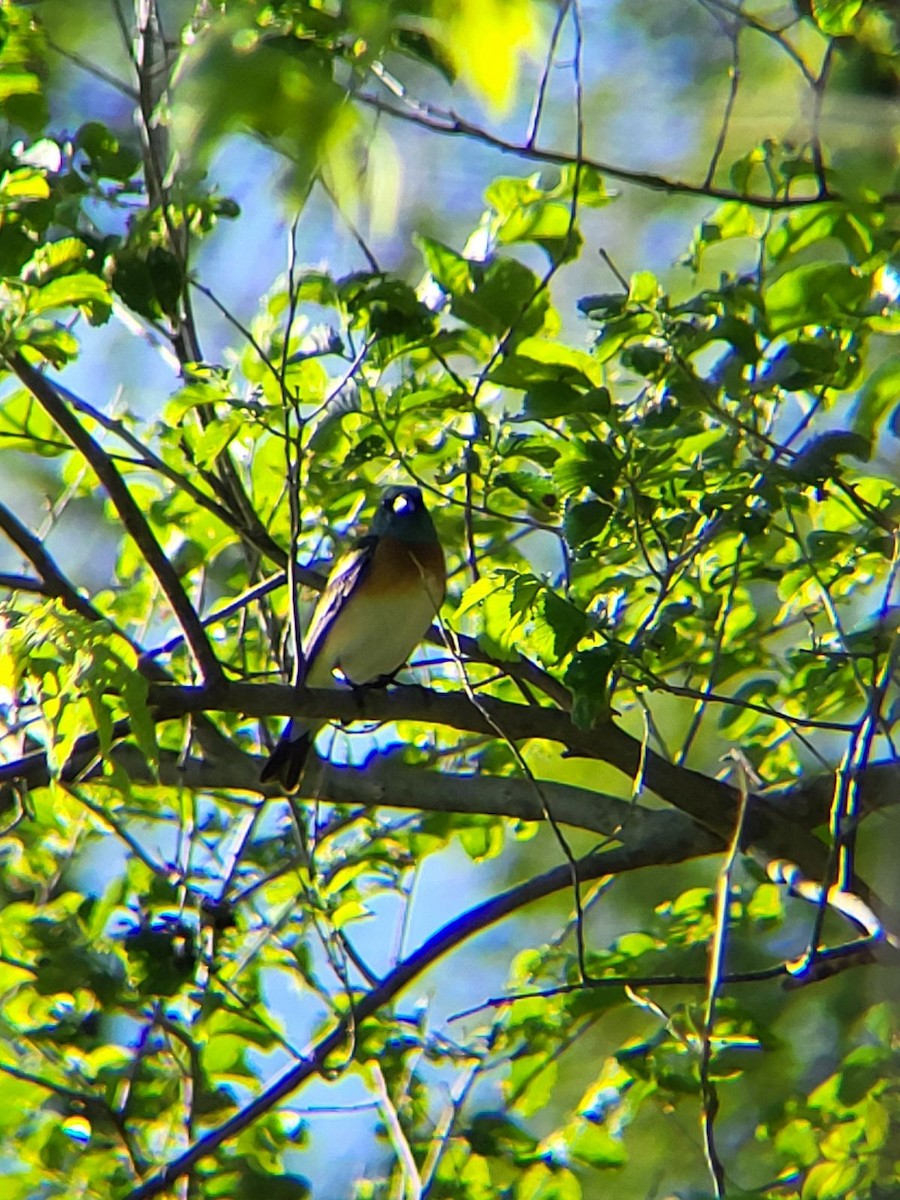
(377, 605)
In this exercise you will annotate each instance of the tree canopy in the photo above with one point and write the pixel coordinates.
(601, 892)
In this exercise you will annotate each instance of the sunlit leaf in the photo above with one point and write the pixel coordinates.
(837, 18)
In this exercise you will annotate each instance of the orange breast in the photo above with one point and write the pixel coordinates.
(407, 566)
(386, 616)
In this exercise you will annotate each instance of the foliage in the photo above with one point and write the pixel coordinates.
(672, 538)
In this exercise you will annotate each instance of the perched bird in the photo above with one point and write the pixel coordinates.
(378, 603)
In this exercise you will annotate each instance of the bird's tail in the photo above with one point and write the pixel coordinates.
(287, 760)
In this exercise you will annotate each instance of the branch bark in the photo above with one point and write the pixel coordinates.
(132, 518)
(450, 124)
(709, 802)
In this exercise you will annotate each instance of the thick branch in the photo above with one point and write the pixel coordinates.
(708, 801)
(810, 800)
(132, 517)
(387, 782)
(711, 803)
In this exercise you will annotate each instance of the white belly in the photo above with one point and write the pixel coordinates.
(377, 638)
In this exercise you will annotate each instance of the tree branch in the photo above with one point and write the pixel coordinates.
(388, 782)
(452, 125)
(708, 801)
(133, 519)
(52, 582)
(711, 803)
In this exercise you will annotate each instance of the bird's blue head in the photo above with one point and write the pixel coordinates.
(402, 514)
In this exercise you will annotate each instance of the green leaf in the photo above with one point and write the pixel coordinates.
(216, 437)
(591, 186)
(348, 912)
(587, 678)
(55, 259)
(274, 1185)
(817, 461)
(731, 220)
(766, 904)
(134, 693)
(568, 624)
(485, 40)
(18, 83)
(803, 364)
(863, 1070)
(797, 1142)
(23, 186)
(148, 281)
(482, 840)
(813, 224)
(593, 1145)
(532, 1079)
(106, 155)
(390, 306)
(816, 293)
(876, 398)
(274, 84)
(594, 465)
(528, 211)
(538, 360)
(494, 296)
(734, 220)
(536, 489)
(695, 901)
(493, 1135)
(506, 297)
(58, 347)
(837, 18)
(548, 224)
(583, 521)
(546, 401)
(525, 590)
(830, 1181)
(534, 449)
(476, 593)
(649, 361)
(79, 290)
(448, 267)
(644, 288)
(162, 958)
(67, 956)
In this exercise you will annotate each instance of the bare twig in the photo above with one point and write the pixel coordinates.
(746, 777)
(450, 124)
(540, 96)
(734, 75)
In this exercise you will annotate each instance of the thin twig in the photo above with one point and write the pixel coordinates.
(537, 108)
(451, 124)
(412, 1180)
(98, 72)
(734, 33)
(717, 648)
(746, 778)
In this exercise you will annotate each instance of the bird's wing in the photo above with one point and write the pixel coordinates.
(346, 575)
